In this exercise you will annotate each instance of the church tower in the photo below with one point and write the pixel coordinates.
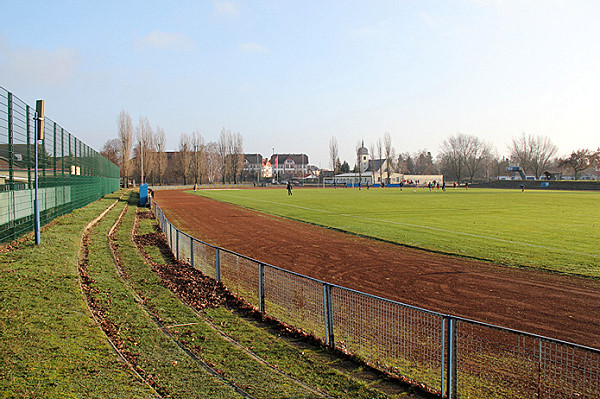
(363, 157)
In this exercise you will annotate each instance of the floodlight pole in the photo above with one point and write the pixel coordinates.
(36, 204)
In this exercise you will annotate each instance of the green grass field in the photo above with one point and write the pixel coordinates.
(552, 230)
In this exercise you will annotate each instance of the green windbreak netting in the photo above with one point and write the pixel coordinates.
(70, 173)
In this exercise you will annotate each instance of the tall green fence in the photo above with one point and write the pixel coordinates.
(70, 173)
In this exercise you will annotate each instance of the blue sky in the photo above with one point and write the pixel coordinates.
(289, 75)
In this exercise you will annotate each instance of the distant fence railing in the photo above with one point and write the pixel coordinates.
(451, 356)
(71, 174)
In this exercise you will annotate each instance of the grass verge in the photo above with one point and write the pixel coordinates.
(265, 365)
(49, 344)
(153, 354)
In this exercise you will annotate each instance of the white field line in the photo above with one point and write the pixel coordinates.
(525, 244)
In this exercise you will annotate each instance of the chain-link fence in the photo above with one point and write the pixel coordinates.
(451, 356)
(71, 174)
(494, 362)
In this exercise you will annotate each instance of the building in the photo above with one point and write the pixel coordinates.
(352, 179)
(209, 170)
(374, 172)
(289, 166)
(253, 164)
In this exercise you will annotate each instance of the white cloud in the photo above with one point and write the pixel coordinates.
(365, 31)
(23, 65)
(166, 41)
(226, 8)
(488, 3)
(254, 48)
(375, 30)
(430, 21)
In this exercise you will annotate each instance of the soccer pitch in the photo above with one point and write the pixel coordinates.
(554, 230)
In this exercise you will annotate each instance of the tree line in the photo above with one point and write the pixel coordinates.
(464, 157)
(140, 152)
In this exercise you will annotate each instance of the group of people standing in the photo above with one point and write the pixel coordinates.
(436, 184)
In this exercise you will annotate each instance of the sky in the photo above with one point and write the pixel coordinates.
(290, 75)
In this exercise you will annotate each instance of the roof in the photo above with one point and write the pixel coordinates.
(298, 159)
(374, 165)
(363, 150)
(253, 158)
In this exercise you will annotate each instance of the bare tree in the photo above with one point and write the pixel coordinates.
(213, 162)
(543, 152)
(144, 137)
(495, 166)
(533, 153)
(199, 161)
(236, 156)
(184, 157)
(112, 151)
(380, 156)
(231, 147)
(160, 146)
(521, 152)
(579, 161)
(333, 154)
(464, 153)
(453, 154)
(476, 154)
(224, 147)
(372, 161)
(596, 158)
(125, 127)
(389, 154)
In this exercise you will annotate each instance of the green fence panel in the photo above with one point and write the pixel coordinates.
(71, 174)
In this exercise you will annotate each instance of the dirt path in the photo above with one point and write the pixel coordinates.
(562, 307)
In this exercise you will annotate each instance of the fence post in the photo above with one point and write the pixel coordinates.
(29, 157)
(192, 251)
(443, 376)
(177, 244)
(218, 263)
(451, 358)
(261, 288)
(329, 339)
(11, 192)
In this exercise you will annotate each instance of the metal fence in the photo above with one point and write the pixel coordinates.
(71, 174)
(451, 356)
